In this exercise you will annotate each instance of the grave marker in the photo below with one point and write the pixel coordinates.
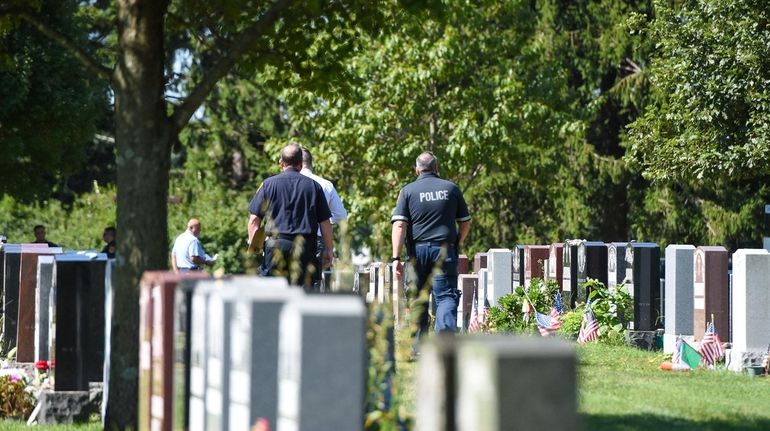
(467, 284)
(25, 326)
(537, 375)
(499, 269)
(517, 266)
(643, 274)
(556, 262)
(750, 313)
(535, 258)
(711, 294)
(570, 272)
(678, 313)
(322, 364)
(616, 263)
(479, 262)
(45, 279)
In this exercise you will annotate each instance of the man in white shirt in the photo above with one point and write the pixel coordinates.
(188, 253)
(335, 205)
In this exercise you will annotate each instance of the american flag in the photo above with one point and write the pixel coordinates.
(677, 356)
(589, 329)
(711, 346)
(557, 303)
(474, 325)
(547, 324)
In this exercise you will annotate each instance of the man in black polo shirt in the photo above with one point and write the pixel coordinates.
(435, 213)
(292, 207)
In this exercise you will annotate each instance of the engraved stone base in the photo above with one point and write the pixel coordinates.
(66, 407)
(738, 361)
(642, 339)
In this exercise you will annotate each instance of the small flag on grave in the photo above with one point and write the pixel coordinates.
(589, 329)
(548, 324)
(711, 346)
(690, 356)
(474, 325)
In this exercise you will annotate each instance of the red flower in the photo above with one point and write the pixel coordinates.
(42, 365)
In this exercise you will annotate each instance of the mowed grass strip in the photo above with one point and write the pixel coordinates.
(621, 388)
(14, 425)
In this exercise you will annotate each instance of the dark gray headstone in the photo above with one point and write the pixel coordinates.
(570, 272)
(79, 336)
(592, 263)
(616, 263)
(643, 259)
(11, 273)
(517, 265)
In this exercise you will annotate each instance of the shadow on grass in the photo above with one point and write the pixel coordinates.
(638, 422)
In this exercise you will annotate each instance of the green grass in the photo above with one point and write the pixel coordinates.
(11, 425)
(622, 389)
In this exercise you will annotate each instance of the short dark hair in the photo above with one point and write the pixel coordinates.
(38, 226)
(307, 158)
(292, 155)
(110, 229)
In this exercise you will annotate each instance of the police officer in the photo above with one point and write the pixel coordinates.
(435, 213)
(292, 207)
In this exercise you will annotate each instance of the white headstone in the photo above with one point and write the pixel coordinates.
(500, 275)
(45, 277)
(678, 313)
(481, 292)
(750, 308)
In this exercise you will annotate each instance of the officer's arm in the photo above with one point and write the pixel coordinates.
(463, 228)
(253, 226)
(397, 236)
(173, 263)
(326, 234)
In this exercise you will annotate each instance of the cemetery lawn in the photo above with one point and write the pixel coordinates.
(12, 425)
(621, 388)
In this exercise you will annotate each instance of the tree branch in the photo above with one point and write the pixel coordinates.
(184, 112)
(88, 61)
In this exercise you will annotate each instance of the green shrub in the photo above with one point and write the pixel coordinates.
(508, 315)
(15, 400)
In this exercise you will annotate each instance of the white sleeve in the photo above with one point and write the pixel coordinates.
(335, 206)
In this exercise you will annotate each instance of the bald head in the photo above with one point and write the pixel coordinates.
(194, 226)
(291, 156)
(426, 162)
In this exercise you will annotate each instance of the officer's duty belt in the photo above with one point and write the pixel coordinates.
(433, 244)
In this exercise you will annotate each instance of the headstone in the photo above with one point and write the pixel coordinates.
(467, 284)
(535, 258)
(25, 328)
(556, 262)
(592, 263)
(363, 283)
(157, 291)
(711, 295)
(499, 267)
(322, 351)
(517, 266)
(537, 375)
(679, 294)
(79, 320)
(199, 341)
(750, 312)
(766, 238)
(45, 277)
(479, 262)
(255, 330)
(11, 272)
(481, 293)
(570, 272)
(183, 322)
(462, 264)
(616, 263)
(436, 385)
(643, 272)
(374, 282)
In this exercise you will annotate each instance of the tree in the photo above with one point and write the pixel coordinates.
(711, 74)
(305, 41)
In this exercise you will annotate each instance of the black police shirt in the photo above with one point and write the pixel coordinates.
(432, 206)
(291, 204)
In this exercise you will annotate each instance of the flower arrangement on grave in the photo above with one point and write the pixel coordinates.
(611, 308)
(17, 396)
(515, 312)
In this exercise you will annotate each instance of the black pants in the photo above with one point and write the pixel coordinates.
(291, 257)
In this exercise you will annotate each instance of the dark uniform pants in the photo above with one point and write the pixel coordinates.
(291, 257)
(442, 282)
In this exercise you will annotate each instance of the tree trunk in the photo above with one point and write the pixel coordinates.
(143, 137)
